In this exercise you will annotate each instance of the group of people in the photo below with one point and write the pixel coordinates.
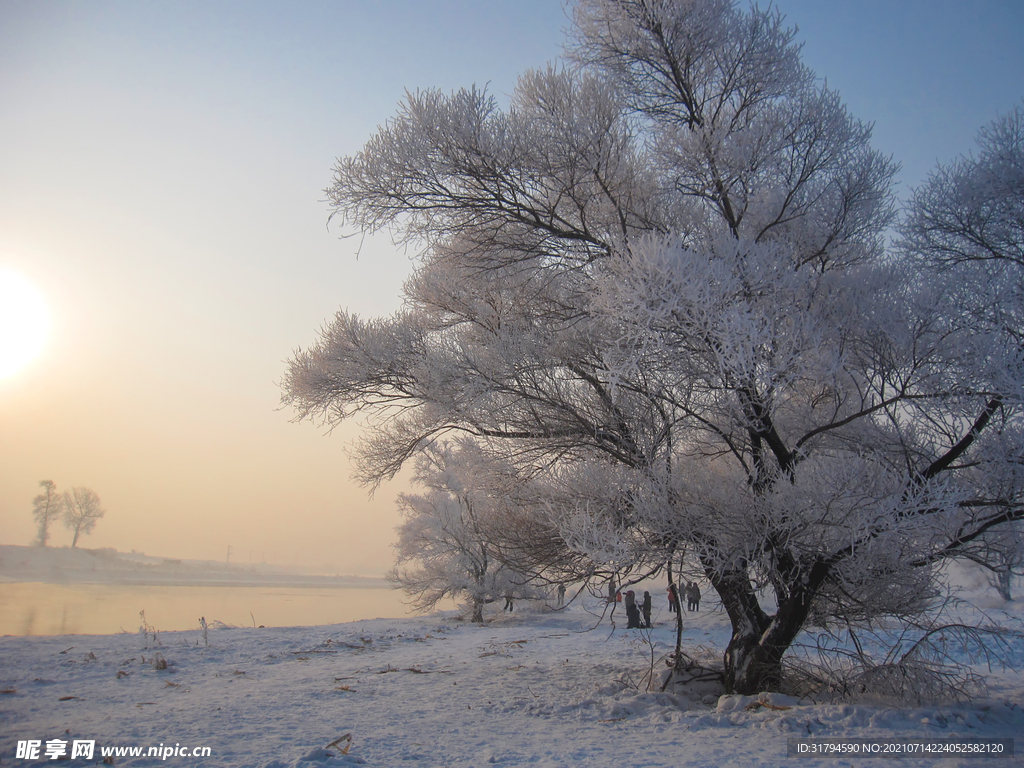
(633, 618)
(638, 616)
(692, 592)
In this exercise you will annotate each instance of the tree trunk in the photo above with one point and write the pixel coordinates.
(678, 664)
(753, 659)
(478, 610)
(754, 668)
(1002, 584)
(745, 672)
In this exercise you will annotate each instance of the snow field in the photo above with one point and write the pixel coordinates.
(534, 688)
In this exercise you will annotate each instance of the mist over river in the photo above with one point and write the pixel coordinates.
(59, 591)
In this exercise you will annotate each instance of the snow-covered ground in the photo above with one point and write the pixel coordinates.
(532, 688)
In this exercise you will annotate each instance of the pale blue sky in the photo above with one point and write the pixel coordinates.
(161, 176)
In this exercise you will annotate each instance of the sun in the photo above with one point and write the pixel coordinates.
(24, 322)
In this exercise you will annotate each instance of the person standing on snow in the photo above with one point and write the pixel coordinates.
(646, 607)
(692, 596)
(673, 598)
(632, 613)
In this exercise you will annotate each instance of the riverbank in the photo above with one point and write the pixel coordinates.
(63, 565)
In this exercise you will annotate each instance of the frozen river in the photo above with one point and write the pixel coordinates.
(56, 609)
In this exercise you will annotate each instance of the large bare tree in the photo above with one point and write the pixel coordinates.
(655, 284)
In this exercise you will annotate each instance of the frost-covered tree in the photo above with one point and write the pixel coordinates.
(1001, 554)
(972, 210)
(81, 511)
(833, 445)
(444, 540)
(657, 280)
(967, 223)
(46, 507)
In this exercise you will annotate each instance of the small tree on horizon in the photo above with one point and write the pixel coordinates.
(45, 508)
(81, 511)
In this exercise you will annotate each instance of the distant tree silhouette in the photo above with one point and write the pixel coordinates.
(45, 509)
(81, 511)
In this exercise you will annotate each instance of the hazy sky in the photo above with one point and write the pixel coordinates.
(161, 176)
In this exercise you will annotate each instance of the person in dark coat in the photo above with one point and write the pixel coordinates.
(692, 596)
(646, 608)
(673, 598)
(632, 612)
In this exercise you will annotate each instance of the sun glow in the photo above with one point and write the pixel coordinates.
(24, 322)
